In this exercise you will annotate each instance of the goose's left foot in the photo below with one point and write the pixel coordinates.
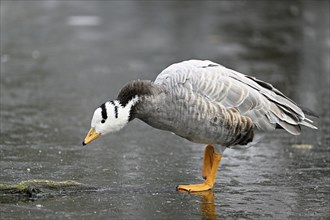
(194, 187)
(210, 167)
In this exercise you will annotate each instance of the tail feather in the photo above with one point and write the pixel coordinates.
(292, 121)
(290, 115)
(308, 125)
(292, 129)
(282, 110)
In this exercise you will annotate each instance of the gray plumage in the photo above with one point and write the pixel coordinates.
(205, 102)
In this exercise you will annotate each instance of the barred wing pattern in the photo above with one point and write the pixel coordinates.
(267, 107)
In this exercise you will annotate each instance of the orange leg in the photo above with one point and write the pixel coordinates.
(210, 168)
(207, 161)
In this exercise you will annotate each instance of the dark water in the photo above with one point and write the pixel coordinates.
(57, 66)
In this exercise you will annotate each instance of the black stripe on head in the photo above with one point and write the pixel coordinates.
(104, 111)
(116, 108)
(116, 111)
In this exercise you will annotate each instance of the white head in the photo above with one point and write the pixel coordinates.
(109, 117)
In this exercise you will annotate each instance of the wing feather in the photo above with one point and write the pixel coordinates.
(264, 104)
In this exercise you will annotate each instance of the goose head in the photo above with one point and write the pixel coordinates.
(108, 118)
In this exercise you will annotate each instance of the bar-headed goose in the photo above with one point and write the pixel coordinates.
(206, 103)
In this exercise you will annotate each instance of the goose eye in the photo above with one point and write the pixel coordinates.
(102, 121)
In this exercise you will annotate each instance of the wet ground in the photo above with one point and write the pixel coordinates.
(60, 60)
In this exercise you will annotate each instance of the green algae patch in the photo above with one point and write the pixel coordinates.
(42, 188)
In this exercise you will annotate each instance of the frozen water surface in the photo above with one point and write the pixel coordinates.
(60, 60)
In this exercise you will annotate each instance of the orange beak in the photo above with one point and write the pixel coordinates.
(91, 136)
